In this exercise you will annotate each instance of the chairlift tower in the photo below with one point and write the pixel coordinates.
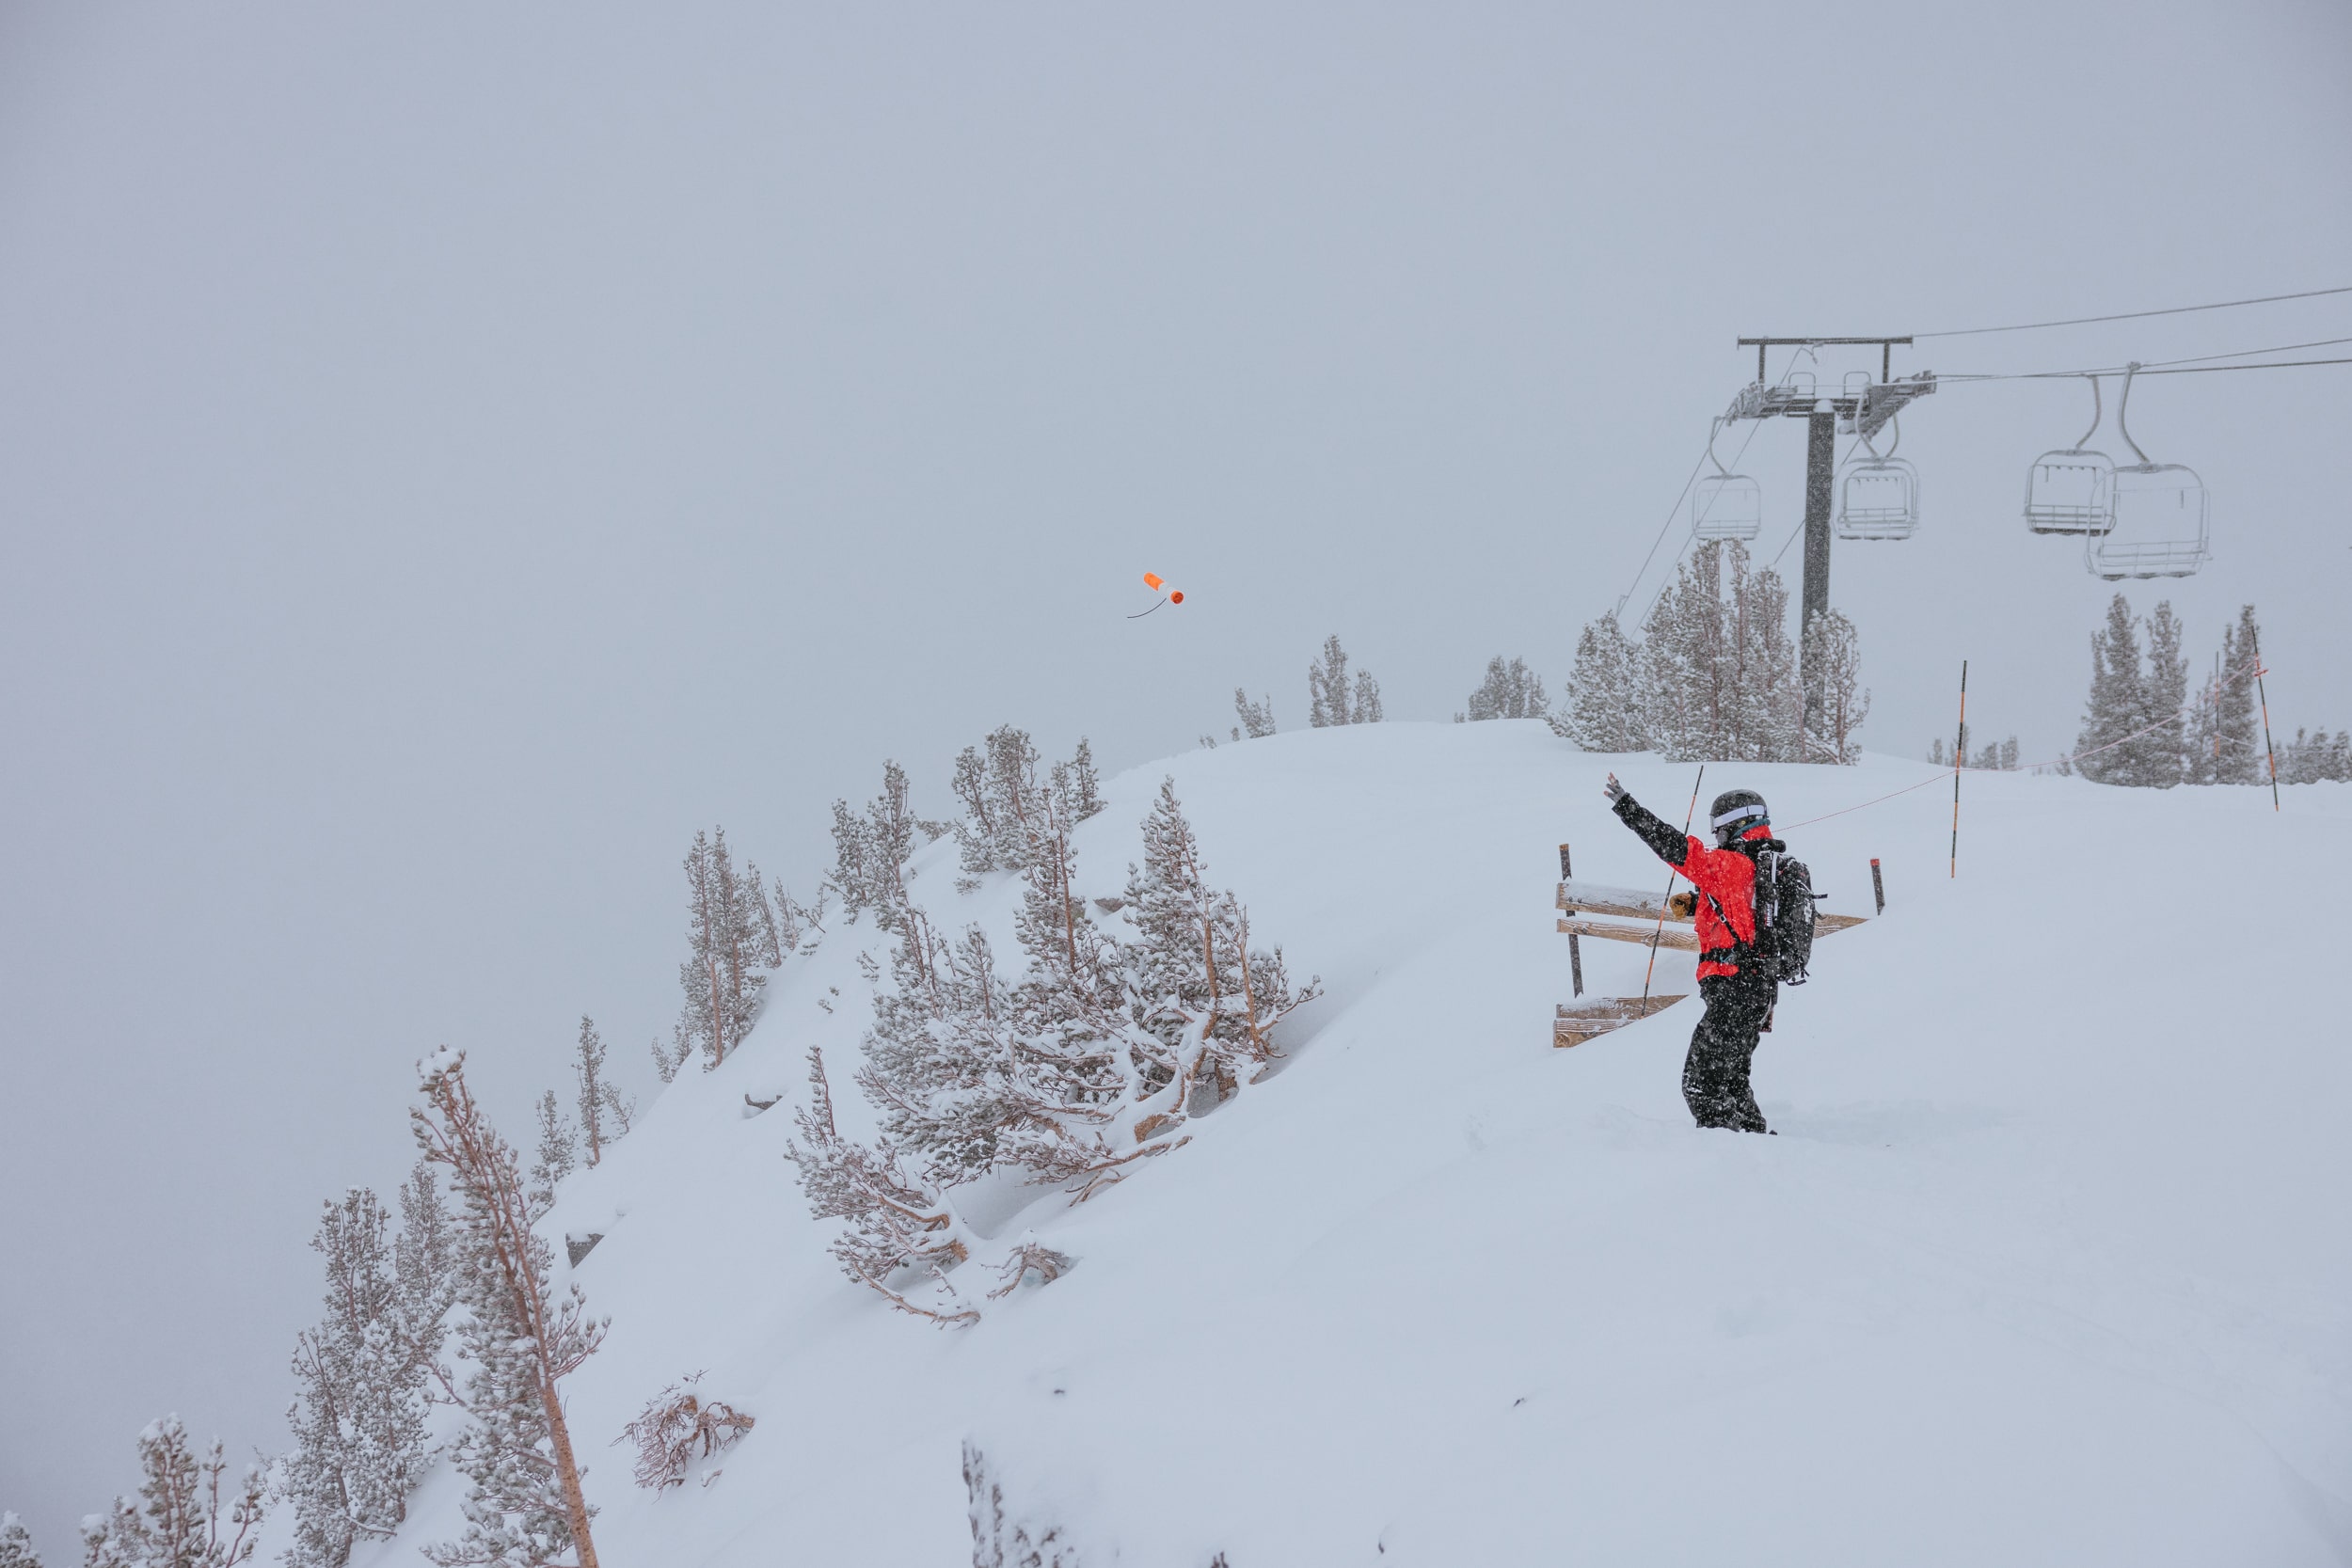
(1860, 405)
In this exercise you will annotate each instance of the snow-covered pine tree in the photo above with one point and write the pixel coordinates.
(179, 1520)
(972, 1073)
(1072, 1042)
(1761, 706)
(424, 1271)
(795, 920)
(1204, 1000)
(1326, 686)
(1510, 691)
(939, 1051)
(871, 852)
(1256, 718)
(1332, 698)
(1091, 1060)
(524, 1507)
(358, 1421)
(1604, 712)
(1676, 663)
(996, 780)
(668, 1058)
(557, 1155)
(604, 1112)
(1995, 757)
(2200, 736)
(1077, 797)
(897, 1224)
(1833, 649)
(2116, 702)
(732, 942)
(2240, 760)
(16, 1544)
(1056, 1075)
(2316, 758)
(2158, 761)
(2291, 760)
(1077, 785)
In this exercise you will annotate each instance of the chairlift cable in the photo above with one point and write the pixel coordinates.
(2136, 315)
(2248, 353)
(2169, 368)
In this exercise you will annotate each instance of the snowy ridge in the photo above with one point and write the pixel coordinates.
(2047, 1263)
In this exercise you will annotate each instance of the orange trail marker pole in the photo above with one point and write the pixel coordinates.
(1960, 745)
(1688, 817)
(2269, 750)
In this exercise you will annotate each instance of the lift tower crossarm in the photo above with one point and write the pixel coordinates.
(1886, 350)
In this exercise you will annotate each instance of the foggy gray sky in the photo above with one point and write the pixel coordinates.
(448, 453)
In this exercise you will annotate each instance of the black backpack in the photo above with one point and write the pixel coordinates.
(1784, 916)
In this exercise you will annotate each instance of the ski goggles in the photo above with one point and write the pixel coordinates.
(1737, 815)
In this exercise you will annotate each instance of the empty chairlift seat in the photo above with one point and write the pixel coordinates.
(2072, 490)
(1877, 498)
(2159, 525)
(2159, 529)
(1725, 505)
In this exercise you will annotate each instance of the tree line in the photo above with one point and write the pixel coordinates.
(2145, 725)
(1713, 673)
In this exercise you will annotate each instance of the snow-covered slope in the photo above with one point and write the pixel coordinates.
(2048, 1264)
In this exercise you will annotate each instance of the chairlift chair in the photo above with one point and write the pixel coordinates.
(1725, 505)
(2159, 529)
(2072, 490)
(1878, 496)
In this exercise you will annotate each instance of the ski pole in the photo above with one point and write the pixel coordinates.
(1688, 817)
(1960, 755)
(1576, 954)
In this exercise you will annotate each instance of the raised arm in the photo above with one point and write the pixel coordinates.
(1669, 846)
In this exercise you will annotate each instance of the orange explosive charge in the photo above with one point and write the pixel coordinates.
(1157, 584)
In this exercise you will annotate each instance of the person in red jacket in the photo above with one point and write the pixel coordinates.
(1736, 981)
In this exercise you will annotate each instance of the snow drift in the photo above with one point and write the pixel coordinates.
(2047, 1264)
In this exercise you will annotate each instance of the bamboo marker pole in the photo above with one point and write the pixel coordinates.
(1688, 817)
(1960, 751)
(2269, 750)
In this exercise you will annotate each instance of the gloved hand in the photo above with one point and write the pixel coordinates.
(1614, 791)
(1683, 905)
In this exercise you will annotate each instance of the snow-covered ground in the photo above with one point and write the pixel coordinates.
(2048, 1264)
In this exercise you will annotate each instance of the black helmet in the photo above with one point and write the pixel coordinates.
(1734, 813)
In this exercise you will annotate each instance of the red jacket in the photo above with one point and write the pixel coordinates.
(1725, 879)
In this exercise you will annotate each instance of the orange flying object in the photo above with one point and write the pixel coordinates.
(1156, 583)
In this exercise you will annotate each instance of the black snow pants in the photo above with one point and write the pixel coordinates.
(1715, 1074)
